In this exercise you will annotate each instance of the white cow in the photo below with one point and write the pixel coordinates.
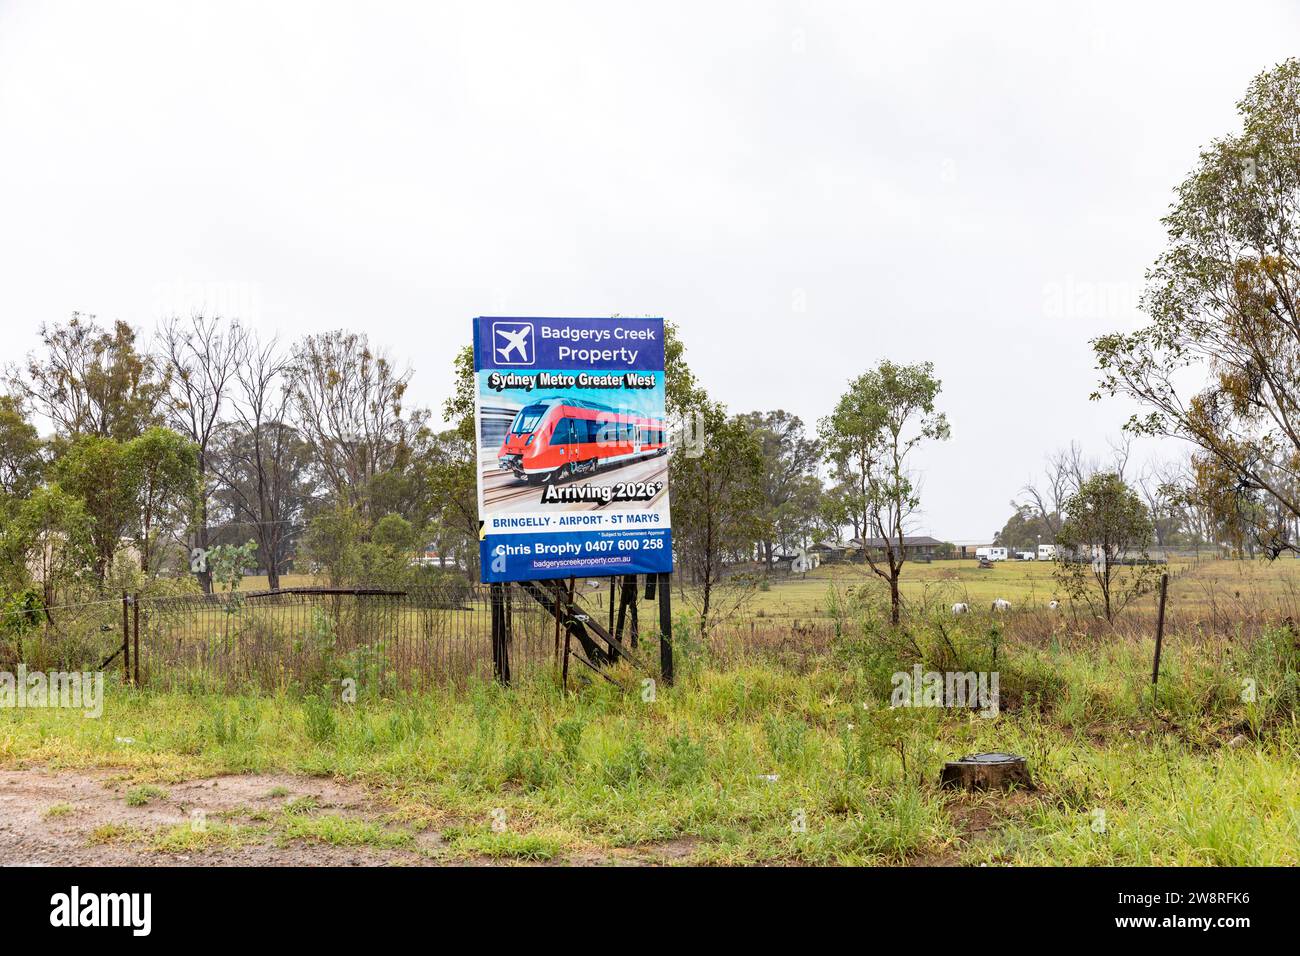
(1001, 605)
(962, 608)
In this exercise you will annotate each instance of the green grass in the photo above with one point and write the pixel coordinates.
(144, 795)
(506, 845)
(190, 838)
(110, 833)
(342, 831)
(758, 762)
(301, 805)
(763, 759)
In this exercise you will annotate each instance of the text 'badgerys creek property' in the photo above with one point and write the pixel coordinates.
(572, 447)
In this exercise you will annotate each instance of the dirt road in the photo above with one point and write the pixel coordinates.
(97, 818)
(83, 818)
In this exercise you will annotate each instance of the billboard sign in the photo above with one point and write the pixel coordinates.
(572, 447)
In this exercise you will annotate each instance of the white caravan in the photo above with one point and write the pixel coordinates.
(1047, 552)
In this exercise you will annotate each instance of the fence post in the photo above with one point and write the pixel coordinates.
(611, 605)
(495, 629)
(568, 634)
(507, 621)
(126, 638)
(634, 626)
(624, 599)
(500, 649)
(135, 629)
(557, 632)
(1160, 636)
(665, 628)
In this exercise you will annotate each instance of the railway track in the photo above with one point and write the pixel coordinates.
(502, 491)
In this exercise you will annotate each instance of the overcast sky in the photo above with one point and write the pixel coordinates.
(804, 188)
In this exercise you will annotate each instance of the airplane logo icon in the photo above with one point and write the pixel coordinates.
(513, 343)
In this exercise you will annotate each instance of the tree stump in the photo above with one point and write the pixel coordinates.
(990, 771)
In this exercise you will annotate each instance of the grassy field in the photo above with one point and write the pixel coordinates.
(777, 745)
(796, 760)
(1195, 586)
(258, 582)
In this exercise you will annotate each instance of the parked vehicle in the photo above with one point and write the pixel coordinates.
(1047, 552)
(1024, 556)
(991, 554)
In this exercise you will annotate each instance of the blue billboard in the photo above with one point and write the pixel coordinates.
(572, 447)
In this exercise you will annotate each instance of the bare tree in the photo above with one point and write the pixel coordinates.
(1121, 450)
(347, 399)
(1065, 473)
(1159, 484)
(1195, 514)
(262, 460)
(1047, 498)
(200, 356)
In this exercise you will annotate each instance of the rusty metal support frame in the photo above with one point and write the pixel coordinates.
(597, 645)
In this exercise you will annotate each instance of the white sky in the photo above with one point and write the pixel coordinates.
(973, 184)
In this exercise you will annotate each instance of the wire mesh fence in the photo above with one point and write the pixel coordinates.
(306, 638)
(302, 638)
(71, 636)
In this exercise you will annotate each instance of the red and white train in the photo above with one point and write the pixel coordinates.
(559, 438)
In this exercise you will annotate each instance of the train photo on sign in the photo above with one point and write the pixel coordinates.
(559, 438)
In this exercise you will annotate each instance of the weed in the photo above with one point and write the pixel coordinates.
(319, 720)
(144, 795)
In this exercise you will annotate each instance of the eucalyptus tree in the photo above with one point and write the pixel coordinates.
(1217, 361)
(869, 439)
